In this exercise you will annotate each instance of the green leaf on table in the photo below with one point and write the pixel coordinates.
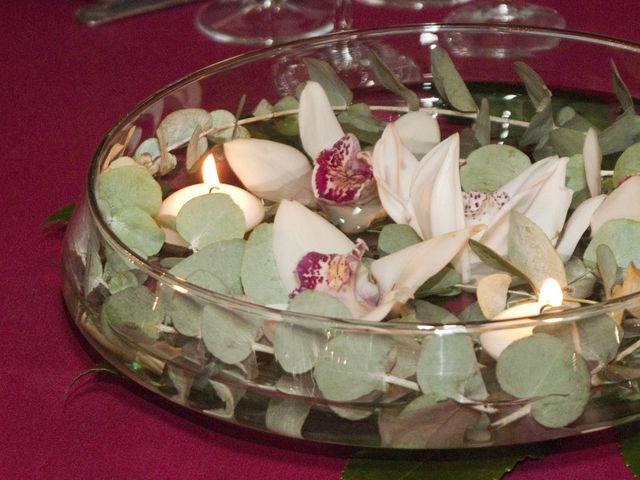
(546, 369)
(178, 127)
(338, 92)
(395, 236)
(490, 167)
(628, 164)
(210, 218)
(621, 134)
(537, 90)
(130, 186)
(286, 125)
(531, 252)
(353, 364)
(494, 260)
(359, 120)
(133, 310)
(286, 416)
(446, 366)
(229, 337)
(137, 230)
(389, 81)
(566, 141)
(259, 274)
(622, 236)
(576, 180)
(63, 215)
(476, 464)
(222, 259)
(449, 83)
(620, 89)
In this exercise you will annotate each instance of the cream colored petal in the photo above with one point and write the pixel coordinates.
(271, 170)
(592, 156)
(386, 304)
(623, 202)
(319, 128)
(538, 171)
(492, 293)
(410, 267)
(298, 231)
(419, 131)
(576, 226)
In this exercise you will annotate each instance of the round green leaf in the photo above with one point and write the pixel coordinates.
(221, 118)
(352, 365)
(576, 180)
(545, 368)
(229, 337)
(137, 230)
(394, 237)
(622, 236)
(210, 218)
(259, 274)
(491, 166)
(130, 186)
(627, 164)
(178, 126)
(133, 309)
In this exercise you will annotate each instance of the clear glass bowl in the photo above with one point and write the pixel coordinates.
(252, 389)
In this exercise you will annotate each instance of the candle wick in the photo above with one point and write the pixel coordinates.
(214, 189)
(544, 307)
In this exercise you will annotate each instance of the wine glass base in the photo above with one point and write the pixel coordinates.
(263, 22)
(414, 4)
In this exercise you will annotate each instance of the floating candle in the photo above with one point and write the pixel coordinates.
(250, 205)
(494, 342)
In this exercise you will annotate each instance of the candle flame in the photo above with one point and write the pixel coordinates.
(550, 293)
(209, 172)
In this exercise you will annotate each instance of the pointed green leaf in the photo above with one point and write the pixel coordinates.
(359, 120)
(494, 260)
(620, 89)
(627, 164)
(624, 132)
(388, 80)
(394, 237)
(338, 92)
(537, 90)
(63, 215)
(567, 142)
(482, 126)
(449, 82)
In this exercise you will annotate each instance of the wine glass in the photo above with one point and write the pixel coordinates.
(265, 22)
(505, 12)
(413, 4)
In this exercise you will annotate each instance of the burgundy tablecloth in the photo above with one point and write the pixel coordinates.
(63, 85)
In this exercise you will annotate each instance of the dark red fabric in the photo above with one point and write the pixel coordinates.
(63, 85)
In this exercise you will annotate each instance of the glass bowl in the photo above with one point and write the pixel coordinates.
(394, 384)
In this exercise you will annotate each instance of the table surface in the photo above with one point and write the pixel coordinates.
(64, 84)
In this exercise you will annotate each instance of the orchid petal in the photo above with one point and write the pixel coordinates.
(592, 157)
(298, 231)
(394, 168)
(410, 267)
(419, 131)
(319, 127)
(623, 202)
(576, 226)
(270, 170)
(387, 303)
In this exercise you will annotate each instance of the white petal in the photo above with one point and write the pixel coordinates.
(533, 175)
(387, 302)
(394, 168)
(319, 128)
(576, 226)
(298, 231)
(270, 170)
(623, 202)
(419, 131)
(410, 267)
(592, 156)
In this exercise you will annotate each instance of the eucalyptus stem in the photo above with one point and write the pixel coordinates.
(627, 351)
(402, 382)
(258, 347)
(512, 417)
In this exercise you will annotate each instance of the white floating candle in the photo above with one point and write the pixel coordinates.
(494, 342)
(250, 205)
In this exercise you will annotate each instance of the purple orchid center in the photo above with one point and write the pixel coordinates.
(479, 205)
(343, 173)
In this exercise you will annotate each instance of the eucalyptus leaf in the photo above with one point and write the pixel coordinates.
(394, 237)
(137, 230)
(229, 337)
(286, 416)
(443, 283)
(210, 218)
(607, 266)
(338, 92)
(62, 215)
(359, 120)
(580, 279)
(148, 155)
(446, 365)
(531, 251)
(622, 236)
(544, 368)
(449, 82)
(224, 118)
(352, 413)
(492, 293)
(121, 281)
(539, 129)
(567, 142)
(297, 347)
(229, 395)
(130, 186)
(353, 364)
(620, 89)
(319, 303)
(490, 167)
(567, 117)
(482, 126)
(222, 259)
(427, 312)
(537, 90)
(627, 164)
(264, 107)
(494, 260)
(388, 80)
(286, 125)
(576, 180)
(194, 151)
(259, 274)
(177, 127)
(624, 132)
(133, 309)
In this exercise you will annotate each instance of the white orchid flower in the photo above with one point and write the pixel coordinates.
(623, 202)
(310, 253)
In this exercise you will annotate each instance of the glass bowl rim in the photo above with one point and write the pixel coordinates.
(177, 283)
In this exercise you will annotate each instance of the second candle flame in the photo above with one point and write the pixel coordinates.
(209, 172)
(550, 293)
